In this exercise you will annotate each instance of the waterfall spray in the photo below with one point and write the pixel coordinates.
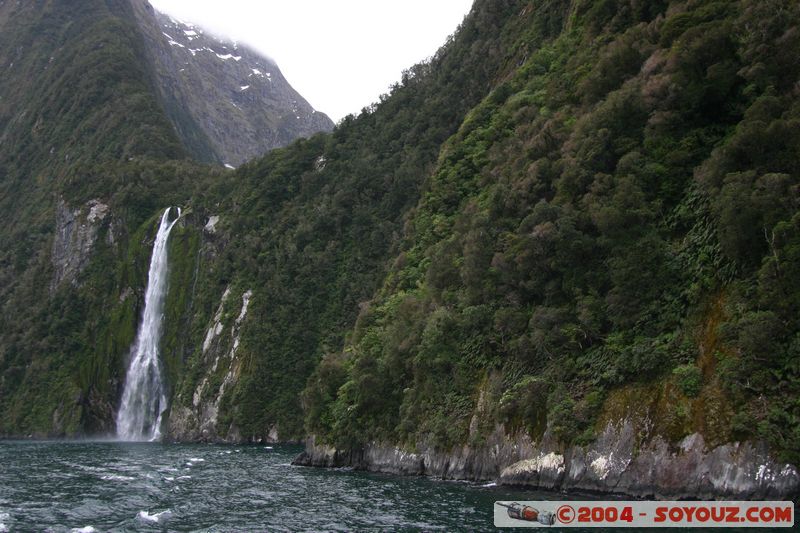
(144, 398)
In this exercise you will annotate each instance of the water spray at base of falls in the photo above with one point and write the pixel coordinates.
(144, 397)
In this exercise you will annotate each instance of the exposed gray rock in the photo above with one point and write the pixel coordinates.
(611, 464)
(211, 225)
(76, 233)
(325, 456)
(197, 419)
(227, 102)
(273, 435)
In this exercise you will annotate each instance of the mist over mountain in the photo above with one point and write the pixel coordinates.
(227, 102)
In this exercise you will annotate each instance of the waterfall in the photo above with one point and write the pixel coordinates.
(144, 399)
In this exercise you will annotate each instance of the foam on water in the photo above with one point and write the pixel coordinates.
(115, 477)
(41, 489)
(156, 518)
(84, 529)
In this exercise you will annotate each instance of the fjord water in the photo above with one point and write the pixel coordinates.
(119, 486)
(143, 398)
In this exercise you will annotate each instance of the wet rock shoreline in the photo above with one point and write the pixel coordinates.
(613, 464)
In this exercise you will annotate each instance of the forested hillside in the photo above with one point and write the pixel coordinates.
(612, 233)
(79, 123)
(314, 226)
(88, 158)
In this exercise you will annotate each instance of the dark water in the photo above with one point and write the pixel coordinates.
(112, 486)
(109, 486)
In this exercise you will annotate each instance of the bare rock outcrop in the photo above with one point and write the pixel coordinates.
(612, 464)
(75, 236)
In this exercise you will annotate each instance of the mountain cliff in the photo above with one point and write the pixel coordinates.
(90, 148)
(227, 102)
(561, 253)
(601, 265)
(83, 135)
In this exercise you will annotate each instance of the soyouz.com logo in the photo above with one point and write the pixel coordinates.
(643, 514)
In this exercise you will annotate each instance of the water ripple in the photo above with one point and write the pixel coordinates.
(111, 486)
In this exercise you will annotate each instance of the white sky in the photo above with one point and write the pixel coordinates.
(341, 55)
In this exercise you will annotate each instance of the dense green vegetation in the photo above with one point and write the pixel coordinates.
(312, 226)
(623, 210)
(572, 213)
(78, 121)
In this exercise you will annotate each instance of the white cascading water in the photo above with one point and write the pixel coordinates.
(144, 398)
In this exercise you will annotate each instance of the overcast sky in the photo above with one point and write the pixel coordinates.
(340, 55)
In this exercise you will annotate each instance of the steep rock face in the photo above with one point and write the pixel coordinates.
(76, 106)
(690, 470)
(94, 141)
(227, 102)
(611, 464)
(196, 414)
(76, 232)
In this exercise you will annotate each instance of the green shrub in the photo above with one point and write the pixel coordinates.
(689, 379)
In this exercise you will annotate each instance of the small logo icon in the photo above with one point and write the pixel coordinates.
(517, 511)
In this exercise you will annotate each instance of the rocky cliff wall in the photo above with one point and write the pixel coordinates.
(199, 418)
(75, 235)
(612, 464)
(227, 102)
